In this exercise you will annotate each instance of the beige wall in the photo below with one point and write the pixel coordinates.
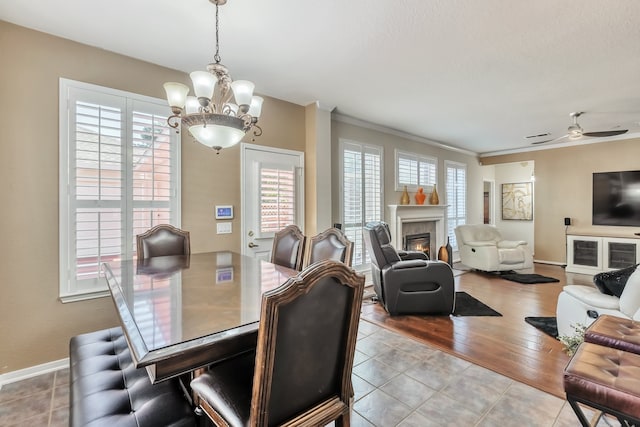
(35, 327)
(389, 142)
(318, 169)
(563, 189)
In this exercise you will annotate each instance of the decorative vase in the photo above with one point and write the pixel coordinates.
(405, 200)
(445, 253)
(434, 199)
(420, 196)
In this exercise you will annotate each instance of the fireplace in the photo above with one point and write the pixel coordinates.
(407, 220)
(418, 242)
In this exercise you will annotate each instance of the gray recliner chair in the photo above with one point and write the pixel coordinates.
(409, 285)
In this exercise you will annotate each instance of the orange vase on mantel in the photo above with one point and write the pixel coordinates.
(434, 199)
(420, 196)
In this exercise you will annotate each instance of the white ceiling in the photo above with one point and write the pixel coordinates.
(477, 75)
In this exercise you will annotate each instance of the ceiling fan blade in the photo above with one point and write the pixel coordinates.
(550, 140)
(606, 133)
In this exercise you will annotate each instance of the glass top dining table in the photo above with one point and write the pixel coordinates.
(181, 313)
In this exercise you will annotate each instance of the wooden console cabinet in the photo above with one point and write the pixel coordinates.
(595, 254)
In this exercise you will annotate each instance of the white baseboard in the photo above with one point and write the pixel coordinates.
(541, 261)
(33, 371)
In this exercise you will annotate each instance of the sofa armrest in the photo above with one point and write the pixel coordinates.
(481, 243)
(406, 255)
(593, 297)
(410, 263)
(418, 274)
(511, 244)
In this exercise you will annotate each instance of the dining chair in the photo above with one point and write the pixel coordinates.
(288, 247)
(330, 244)
(163, 240)
(300, 372)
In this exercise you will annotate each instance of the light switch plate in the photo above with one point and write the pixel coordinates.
(224, 228)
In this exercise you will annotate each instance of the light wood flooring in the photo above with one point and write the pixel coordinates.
(507, 344)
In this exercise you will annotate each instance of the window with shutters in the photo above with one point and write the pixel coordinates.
(119, 176)
(277, 198)
(362, 193)
(415, 171)
(456, 191)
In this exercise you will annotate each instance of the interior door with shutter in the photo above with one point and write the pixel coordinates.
(272, 196)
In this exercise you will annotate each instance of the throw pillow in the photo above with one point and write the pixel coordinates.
(630, 298)
(613, 282)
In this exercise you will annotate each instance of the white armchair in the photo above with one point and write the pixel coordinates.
(581, 305)
(481, 247)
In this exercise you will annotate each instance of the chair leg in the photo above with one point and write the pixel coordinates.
(344, 420)
(580, 414)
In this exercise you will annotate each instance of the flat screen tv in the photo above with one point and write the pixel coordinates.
(616, 198)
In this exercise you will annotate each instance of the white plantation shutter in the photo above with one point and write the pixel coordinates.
(415, 171)
(95, 184)
(153, 170)
(277, 198)
(118, 177)
(362, 193)
(456, 190)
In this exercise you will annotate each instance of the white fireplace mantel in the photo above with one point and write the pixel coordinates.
(400, 214)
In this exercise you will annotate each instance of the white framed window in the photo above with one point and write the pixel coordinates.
(277, 198)
(362, 193)
(456, 193)
(415, 171)
(119, 176)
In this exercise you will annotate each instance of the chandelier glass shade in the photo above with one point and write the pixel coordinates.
(222, 110)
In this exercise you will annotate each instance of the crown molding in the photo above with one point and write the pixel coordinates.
(585, 141)
(368, 125)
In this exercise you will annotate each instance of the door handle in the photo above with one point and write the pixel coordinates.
(253, 245)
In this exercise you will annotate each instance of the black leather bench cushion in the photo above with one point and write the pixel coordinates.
(107, 390)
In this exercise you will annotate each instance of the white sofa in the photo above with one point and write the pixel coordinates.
(481, 247)
(581, 305)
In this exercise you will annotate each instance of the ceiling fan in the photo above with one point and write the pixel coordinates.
(575, 131)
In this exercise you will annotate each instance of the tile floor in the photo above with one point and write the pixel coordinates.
(397, 382)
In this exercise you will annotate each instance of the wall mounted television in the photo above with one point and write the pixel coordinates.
(616, 198)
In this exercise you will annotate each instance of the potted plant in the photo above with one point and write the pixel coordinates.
(571, 342)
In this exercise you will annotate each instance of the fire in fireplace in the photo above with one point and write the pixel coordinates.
(418, 242)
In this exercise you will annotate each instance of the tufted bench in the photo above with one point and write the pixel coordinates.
(606, 379)
(615, 332)
(107, 390)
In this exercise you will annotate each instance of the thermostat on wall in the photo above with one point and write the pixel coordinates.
(224, 212)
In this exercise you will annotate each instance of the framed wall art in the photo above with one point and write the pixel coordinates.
(517, 201)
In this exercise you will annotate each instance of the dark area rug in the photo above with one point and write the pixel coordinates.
(548, 325)
(466, 305)
(528, 279)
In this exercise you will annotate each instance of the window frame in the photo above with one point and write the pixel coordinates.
(363, 147)
(419, 158)
(452, 204)
(70, 289)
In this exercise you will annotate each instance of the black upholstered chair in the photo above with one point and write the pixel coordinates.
(288, 247)
(300, 373)
(330, 244)
(407, 285)
(163, 240)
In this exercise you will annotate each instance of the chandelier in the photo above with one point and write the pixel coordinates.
(212, 116)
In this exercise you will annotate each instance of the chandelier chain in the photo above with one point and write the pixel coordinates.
(216, 57)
